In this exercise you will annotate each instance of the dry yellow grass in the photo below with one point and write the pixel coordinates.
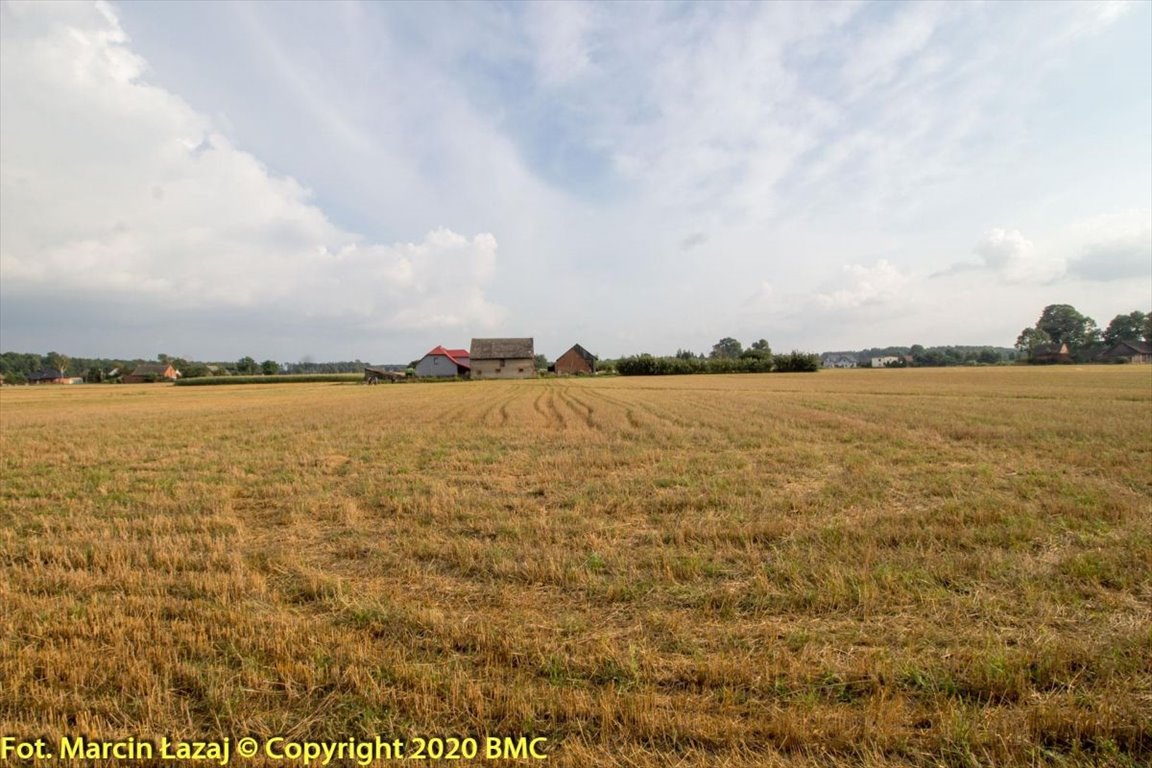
(927, 567)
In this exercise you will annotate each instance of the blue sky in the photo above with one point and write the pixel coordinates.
(368, 180)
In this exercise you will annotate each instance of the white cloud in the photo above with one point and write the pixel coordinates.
(559, 36)
(863, 286)
(883, 52)
(109, 184)
(1113, 247)
(1015, 258)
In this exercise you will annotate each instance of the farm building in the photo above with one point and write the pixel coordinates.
(50, 376)
(377, 375)
(1051, 353)
(576, 360)
(503, 359)
(885, 361)
(1132, 351)
(151, 372)
(446, 363)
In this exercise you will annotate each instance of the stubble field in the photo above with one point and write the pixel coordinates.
(923, 567)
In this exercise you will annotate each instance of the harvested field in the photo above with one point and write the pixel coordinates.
(858, 568)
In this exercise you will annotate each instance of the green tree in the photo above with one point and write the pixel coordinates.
(541, 362)
(246, 365)
(1030, 339)
(988, 356)
(59, 362)
(759, 350)
(1148, 327)
(269, 367)
(1064, 325)
(1127, 327)
(193, 370)
(727, 348)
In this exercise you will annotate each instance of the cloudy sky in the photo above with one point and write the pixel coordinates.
(367, 180)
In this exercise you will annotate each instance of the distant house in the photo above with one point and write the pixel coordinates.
(1132, 351)
(1051, 353)
(887, 360)
(576, 360)
(838, 361)
(444, 363)
(48, 376)
(146, 373)
(503, 359)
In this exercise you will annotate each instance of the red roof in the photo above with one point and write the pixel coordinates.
(458, 356)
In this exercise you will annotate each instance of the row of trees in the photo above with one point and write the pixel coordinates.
(16, 367)
(1063, 324)
(727, 356)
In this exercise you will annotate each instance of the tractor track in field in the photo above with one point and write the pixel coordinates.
(582, 411)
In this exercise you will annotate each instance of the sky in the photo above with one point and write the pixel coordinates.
(346, 180)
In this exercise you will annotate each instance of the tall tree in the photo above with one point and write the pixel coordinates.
(1064, 325)
(269, 367)
(727, 348)
(1129, 327)
(59, 362)
(246, 365)
(1031, 338)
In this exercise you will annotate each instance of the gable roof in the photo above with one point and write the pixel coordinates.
(502, 349)
(48, 374)
(1129, 347)
(588, 356)
(145, 369)
(1051, 349)
(458, 356)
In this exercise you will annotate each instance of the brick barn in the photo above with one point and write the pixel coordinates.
(576, 360)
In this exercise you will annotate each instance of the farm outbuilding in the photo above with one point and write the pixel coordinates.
(1051, 353)
(503, 358)
(1132, 351)
(377, 375)
(151, 372)
(444, 363)
(48, 376)
(576, 360)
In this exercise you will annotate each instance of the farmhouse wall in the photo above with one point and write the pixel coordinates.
(504, 368)
(436, 365)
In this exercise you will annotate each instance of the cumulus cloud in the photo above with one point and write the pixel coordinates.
(1102, 249)
(1015, 258)
(1012, 257)
(111, 184)
(864, 286)
(1115, 247)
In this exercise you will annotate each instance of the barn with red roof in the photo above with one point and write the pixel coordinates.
(445, 363)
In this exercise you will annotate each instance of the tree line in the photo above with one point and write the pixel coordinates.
(1063, 324)
(17, 367)
(727, 356)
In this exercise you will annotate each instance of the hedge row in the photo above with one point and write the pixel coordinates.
(647, 365)
(299, 378)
